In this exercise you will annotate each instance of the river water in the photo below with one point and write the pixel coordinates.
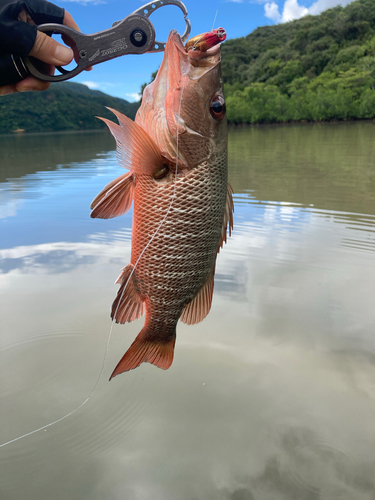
(271, 397)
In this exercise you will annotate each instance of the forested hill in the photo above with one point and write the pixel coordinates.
(64, 106)
(315, 68)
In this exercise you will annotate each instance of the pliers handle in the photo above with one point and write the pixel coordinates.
(133, 35)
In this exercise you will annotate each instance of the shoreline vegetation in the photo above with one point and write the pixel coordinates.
(65, 106)
(317, 68)
(314, 69)
(233, 125)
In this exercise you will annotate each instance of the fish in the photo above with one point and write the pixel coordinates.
(175, 154)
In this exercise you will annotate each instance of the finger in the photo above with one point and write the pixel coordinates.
(7, 89)
(46, 49)
(69, 21)
(31, 83)
(25, 17)
(70, 43)
(42, 11)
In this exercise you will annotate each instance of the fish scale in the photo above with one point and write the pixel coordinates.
(189, 214)
(176, 154)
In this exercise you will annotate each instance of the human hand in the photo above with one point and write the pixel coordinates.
(20, 38)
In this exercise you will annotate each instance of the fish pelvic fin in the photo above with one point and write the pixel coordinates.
(147, 349)
(128, 304)
(115, 199)
(228, 218)
(197, 309)
(136, 151)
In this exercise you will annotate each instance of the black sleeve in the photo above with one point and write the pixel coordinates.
(17, 38)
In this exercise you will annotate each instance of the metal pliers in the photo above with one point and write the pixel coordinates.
(133, 35)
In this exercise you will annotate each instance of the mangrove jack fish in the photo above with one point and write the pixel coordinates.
(176, 156)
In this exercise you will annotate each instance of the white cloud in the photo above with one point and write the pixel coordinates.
(104, 250)
(134, 96)
(97, 85)
(293, 10)
(271, 10)
(320, 5)
(10, 209)
(91, 85)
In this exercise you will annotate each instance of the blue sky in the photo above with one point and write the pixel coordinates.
(123, 76)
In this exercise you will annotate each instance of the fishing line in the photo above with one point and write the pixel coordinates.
(163, 220)
(194, 47)
(112, 322)
(213, 24)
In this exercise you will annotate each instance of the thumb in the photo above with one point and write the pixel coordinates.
(46, 49)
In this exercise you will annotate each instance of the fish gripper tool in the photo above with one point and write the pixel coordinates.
(135, 34)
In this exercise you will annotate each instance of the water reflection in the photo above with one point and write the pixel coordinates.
(271, 397)
(23, 155)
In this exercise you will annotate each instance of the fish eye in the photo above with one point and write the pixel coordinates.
(217, 107)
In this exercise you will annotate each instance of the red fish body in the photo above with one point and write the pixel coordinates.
(176, 153)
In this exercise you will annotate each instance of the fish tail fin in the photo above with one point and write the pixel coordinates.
(147, 349)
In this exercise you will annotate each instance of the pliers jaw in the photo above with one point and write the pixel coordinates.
(149, 8)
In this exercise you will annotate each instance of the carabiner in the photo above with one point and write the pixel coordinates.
(147, 9)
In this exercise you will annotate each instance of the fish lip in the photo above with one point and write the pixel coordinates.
(192, 54)
(176, 39)
(200, 54)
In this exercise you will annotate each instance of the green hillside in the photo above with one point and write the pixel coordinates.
(64, 106)
(315, 68)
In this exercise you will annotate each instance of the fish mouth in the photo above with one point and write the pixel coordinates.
(192, 60)
(200, 47)
(205, 44)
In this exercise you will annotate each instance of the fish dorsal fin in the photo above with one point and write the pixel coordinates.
(128, 305)
(196, 310)
(115, 199)
(136, 151)
(228, 218)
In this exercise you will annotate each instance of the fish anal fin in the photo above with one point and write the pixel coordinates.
(145, 350)
(197, 309)
(115, 199)
(136, 150)
(228, 218)
(128, 305)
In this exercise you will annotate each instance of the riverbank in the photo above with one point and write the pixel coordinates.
(231, 125)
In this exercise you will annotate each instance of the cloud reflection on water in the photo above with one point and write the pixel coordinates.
(271, 397)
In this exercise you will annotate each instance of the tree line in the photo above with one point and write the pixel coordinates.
(315, 68)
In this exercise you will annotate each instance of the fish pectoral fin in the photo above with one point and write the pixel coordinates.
(128, 305)
(146, 350)
(136, 151)
(228, 218)
(197, 309)
(115, 199)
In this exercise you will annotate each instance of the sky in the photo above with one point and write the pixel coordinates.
(123, 76)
